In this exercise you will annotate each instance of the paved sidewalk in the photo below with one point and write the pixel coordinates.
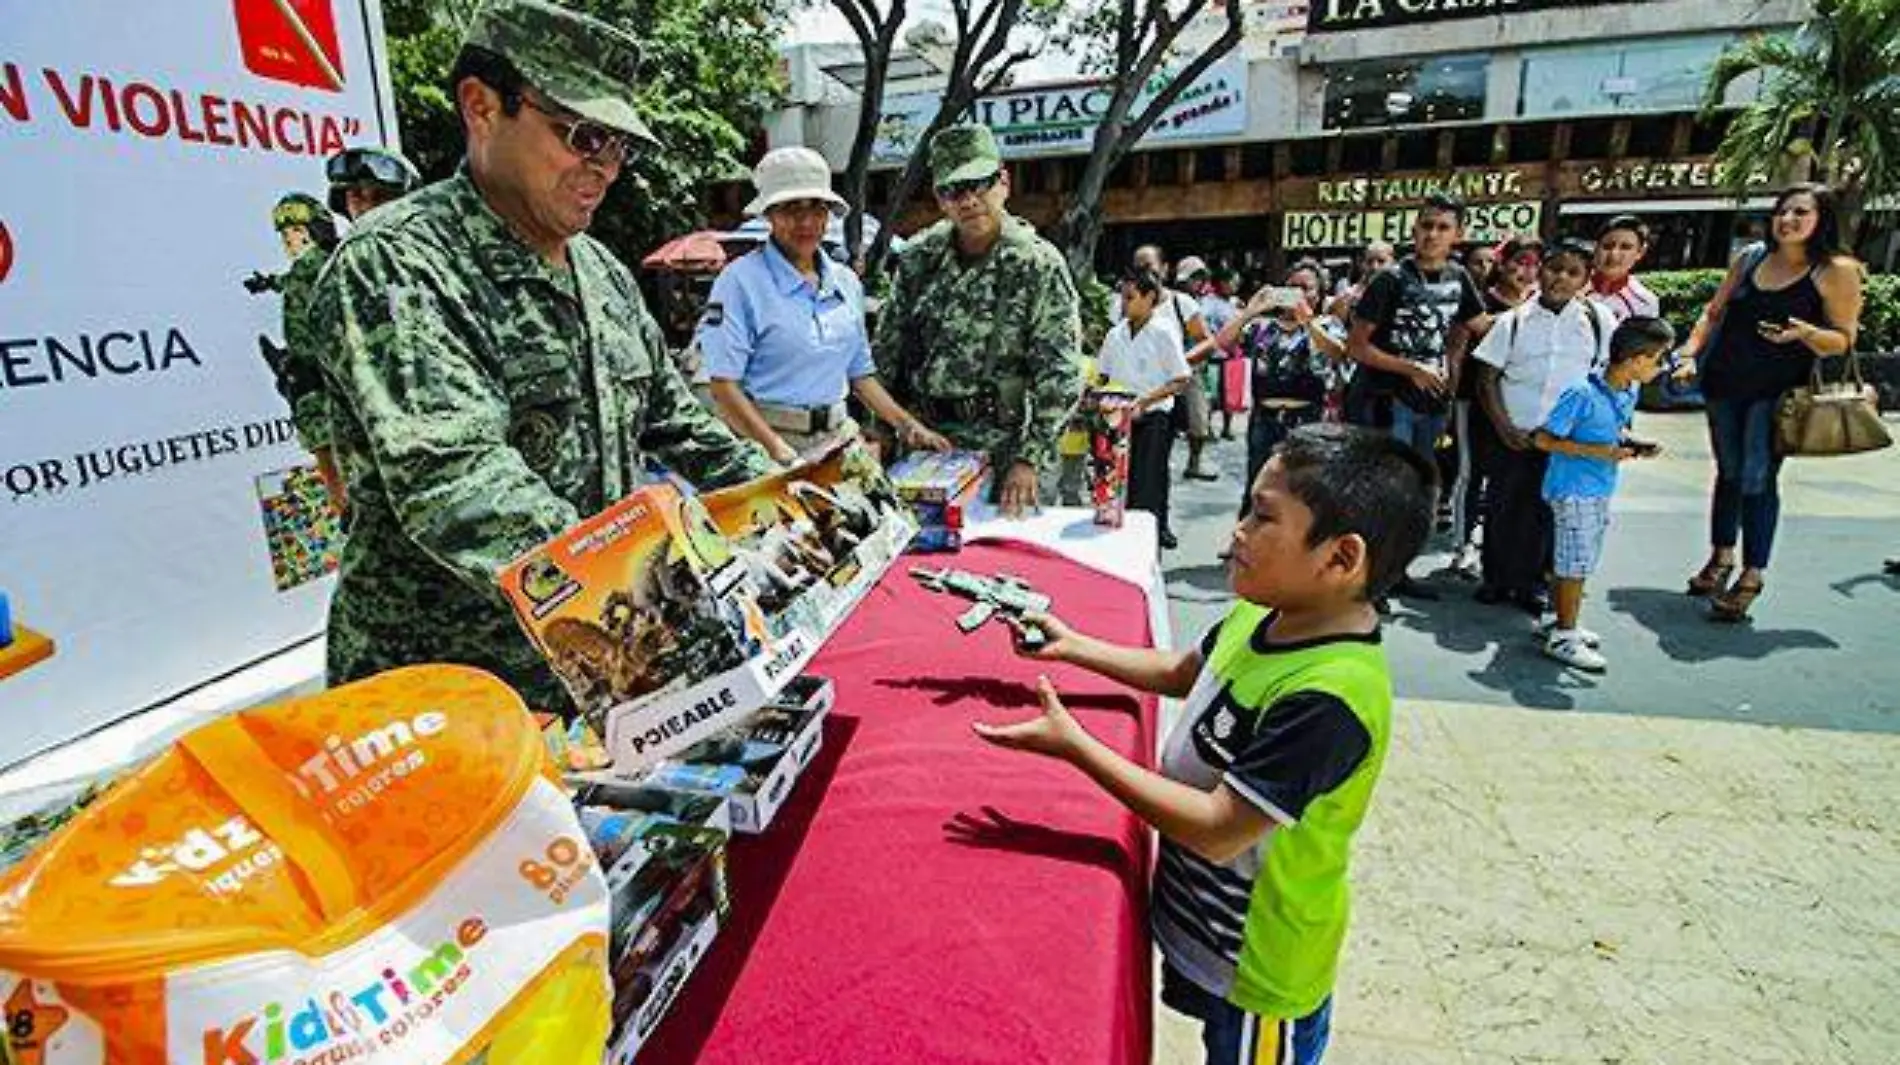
(1537, 887)
(1694, 860)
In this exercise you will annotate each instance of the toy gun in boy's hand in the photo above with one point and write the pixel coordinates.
(1011, 596)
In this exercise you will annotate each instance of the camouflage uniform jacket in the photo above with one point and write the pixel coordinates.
(986, 349)
(484, 402)
(300, 378)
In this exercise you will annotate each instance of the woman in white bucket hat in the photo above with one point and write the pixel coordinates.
(783, 333)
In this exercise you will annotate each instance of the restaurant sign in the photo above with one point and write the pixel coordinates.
(1470, 186)
(1333, 16)
(1484, 224)
(1659, 175)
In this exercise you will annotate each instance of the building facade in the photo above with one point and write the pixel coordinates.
(1317, 137)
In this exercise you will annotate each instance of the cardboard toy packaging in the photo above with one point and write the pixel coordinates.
(1107, 414)
(672, 618)
(936, 476)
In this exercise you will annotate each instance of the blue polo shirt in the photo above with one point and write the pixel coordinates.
(786, 341)
(1588, 412)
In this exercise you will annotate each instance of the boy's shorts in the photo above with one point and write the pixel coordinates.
(1232, 1036)
(1581, 525)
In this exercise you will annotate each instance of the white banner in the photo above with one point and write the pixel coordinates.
(1061, 120)
(158, 524)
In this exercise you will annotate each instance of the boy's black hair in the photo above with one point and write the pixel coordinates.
(1146, 282)
(1638, 335)
(1446, 203)
(1626, 221)
(1582, 249)
(1356, 480)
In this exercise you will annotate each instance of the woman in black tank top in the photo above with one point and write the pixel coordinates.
(1785, 303)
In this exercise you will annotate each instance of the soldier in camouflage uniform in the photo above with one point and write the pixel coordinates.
(980, 335)
(361, 179)
(498, 377)
(308, 231)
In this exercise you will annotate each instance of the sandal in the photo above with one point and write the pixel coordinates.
(1732, 605)
(1711, 579)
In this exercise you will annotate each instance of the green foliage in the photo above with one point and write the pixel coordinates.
(1830, 96)
(711, 73)
(1684, 293)
(1098, 311)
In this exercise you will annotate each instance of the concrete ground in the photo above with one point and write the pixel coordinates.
(1691, 859)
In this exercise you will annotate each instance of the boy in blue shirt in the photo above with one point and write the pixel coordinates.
(1287, 707)
(1587, 436)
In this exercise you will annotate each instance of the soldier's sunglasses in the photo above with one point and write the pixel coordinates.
(589, 140)
(956, 190)
(359, 166)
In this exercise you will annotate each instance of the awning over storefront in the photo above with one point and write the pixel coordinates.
(1661, 206)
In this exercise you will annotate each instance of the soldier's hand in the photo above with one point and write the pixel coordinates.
(917, 435)
(1019, 490)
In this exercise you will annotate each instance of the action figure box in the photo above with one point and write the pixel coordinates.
(672, 618)
(641, 600)
(1108, 416)
(936, 476)
(750, 770)
(669, 898)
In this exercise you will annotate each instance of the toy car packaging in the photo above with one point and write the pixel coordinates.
(385, 873)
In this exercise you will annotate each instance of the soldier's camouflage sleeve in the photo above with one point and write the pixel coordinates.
(301, 377)
(1055, 334)
(435, 420)
(894, 348)
(682, 433)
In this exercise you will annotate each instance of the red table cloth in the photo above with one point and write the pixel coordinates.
(925, 897)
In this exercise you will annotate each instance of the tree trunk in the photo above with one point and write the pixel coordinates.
(1080, 229)
(857, 173)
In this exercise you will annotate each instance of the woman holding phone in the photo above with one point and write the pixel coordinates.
(1786, 302)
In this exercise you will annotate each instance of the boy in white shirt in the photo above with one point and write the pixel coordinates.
(1530, 356)
(1143, 353)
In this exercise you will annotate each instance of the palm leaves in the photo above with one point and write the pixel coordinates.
(1829, 105)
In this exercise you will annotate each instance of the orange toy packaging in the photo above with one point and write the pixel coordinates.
(383, 873)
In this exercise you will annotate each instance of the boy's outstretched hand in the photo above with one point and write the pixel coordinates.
(1054, 732)
(1057, 637)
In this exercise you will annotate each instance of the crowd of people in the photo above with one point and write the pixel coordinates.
(476, 375)
(1484, 360)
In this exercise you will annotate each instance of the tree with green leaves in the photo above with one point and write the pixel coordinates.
(710, 74)
(1829, 107)
(1137, 44)
(990, 41)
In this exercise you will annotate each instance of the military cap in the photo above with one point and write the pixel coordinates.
(963, 153)
(298, 209)
(577, 61)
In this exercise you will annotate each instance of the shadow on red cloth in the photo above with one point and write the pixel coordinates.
(1008, 694)
(757, 867)
(996, 830)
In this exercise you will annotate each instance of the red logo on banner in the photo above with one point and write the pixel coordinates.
(6, 252)
(291, 40)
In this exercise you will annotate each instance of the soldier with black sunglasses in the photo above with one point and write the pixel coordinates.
(499, 376)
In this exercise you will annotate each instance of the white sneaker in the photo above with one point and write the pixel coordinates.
(1466, 563)
(1548, 624)
(1570, 649)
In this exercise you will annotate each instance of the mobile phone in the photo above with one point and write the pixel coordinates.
(1644, 448)
(1279, 297)
(1770, 327)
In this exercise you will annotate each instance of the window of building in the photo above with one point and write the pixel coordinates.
(1667, 74)
(1471, 145)
(1707, 134)
(1403, 91)
(1210, 165)
(1256, 161)
(1164, 168)
(1650, 137)
(1418, 149)
(1532, 143)
(1309, 158)
(1590, 139)
(1361, 155)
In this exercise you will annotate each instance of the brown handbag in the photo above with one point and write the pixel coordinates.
(1822, 419)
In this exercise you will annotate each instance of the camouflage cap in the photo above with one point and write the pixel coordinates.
(963, 153)
(298, 209)
(579, 62)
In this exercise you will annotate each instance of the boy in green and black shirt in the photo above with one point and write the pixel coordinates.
(1269, 773)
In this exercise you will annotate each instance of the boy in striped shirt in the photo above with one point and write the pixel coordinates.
(1288, 705)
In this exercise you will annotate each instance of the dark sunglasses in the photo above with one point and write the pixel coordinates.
(957, 190)
(360, 166)
(589, 140)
